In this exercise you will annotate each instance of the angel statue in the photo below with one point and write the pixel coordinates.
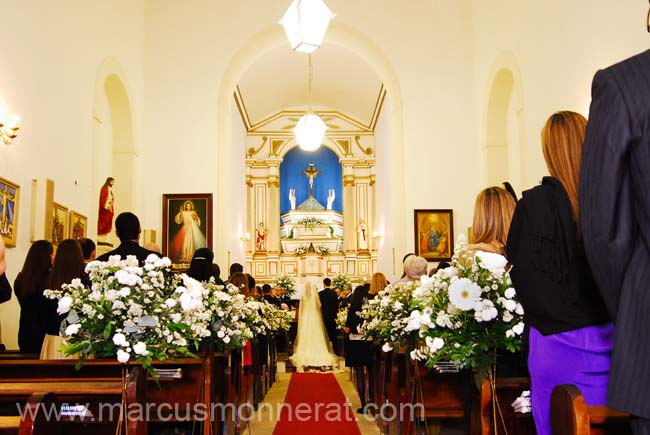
(292, 198)
(330, 198)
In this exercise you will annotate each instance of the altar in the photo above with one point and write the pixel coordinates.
(311, 215)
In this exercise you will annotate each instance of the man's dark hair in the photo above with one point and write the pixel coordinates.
(327, 282)
(236, 267)
(87, 247)
(251, 281)
(127, 226)
(266, 289)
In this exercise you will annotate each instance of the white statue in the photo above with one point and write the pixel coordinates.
(330, 198)
(292, 198)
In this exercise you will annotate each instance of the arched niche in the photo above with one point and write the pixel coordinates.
(253, 49)
(114, 149)
(330, 177)
(503, 149)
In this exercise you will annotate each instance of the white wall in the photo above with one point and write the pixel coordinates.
(558, 45)
(428, 47)
(436, 59)
(51, 57)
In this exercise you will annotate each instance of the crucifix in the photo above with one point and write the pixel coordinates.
(311, 173)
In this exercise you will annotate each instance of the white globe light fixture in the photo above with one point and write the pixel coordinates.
(310, 131)
(305, 23)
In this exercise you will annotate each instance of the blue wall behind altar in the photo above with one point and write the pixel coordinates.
(291, 176)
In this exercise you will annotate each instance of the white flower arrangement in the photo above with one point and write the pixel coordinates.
(395, 316)
(475, 311)
(322, 250)
(464, 314)
(301, 250)
(144, 313)
(276, 319)
(341, 281)
(341, 318)
(310, 222)
(287, 282)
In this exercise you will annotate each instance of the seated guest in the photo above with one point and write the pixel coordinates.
(268, 296)
(29, 286)
(252, 288)
(127, 227)
(68, 265)
(234, 268)
(441, 265)
(240, 281)
(5, 286)
(88, 249)
(201, 265)
(216, 271)
(414, 268)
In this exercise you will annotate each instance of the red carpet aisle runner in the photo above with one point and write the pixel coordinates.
(315, 405)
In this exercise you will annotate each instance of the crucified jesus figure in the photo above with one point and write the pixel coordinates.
(311, 172)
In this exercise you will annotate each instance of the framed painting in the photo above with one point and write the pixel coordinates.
(434, 234)
(186, 227)
(59, 223)
(77, 226)
(9, 197)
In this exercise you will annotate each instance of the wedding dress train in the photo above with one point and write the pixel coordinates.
(312, 348)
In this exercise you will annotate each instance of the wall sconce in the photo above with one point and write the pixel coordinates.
(377, 235)
(245, 238)
(8, 131)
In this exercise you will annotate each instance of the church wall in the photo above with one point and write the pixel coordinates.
(558, 46)
(428, 46)
(48, 75)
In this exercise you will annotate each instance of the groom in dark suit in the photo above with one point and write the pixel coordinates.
(615, 219)
(329, 307)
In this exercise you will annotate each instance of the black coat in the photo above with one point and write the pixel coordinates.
(128, 247)
(33, 308)
(549, 268)
(615, 217)
(5, 289)
(329, 304)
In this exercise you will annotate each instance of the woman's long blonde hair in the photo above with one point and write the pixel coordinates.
(492, 215)
(377, 283)
(562, 138)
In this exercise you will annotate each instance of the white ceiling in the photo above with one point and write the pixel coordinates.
(279, 80)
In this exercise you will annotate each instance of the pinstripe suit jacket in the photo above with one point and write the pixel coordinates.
(615, 218)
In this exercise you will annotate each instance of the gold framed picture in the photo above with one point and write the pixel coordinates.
(434, 234)
(187, 226)
(9, 198)
(77, 225)
(59, 223)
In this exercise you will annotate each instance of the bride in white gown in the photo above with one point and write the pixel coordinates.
(312, 347)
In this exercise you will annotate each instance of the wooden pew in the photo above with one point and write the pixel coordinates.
(204, 382)
(447, 396)
(52, 392)
(508, 389)
(33, 421)
(570, 415)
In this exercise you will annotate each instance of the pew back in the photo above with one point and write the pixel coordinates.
(570, 415)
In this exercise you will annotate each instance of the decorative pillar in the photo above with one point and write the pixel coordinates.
(349, 221)
(250, 205)
(372, 226)
(273, 216)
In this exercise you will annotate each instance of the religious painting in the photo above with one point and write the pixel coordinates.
(9, 196)
(187, 226)
(434, 234)
(78, 226)
(59, 223)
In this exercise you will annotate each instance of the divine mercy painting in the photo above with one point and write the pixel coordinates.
(187, 226)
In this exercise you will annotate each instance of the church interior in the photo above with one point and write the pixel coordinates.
(425, 102)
